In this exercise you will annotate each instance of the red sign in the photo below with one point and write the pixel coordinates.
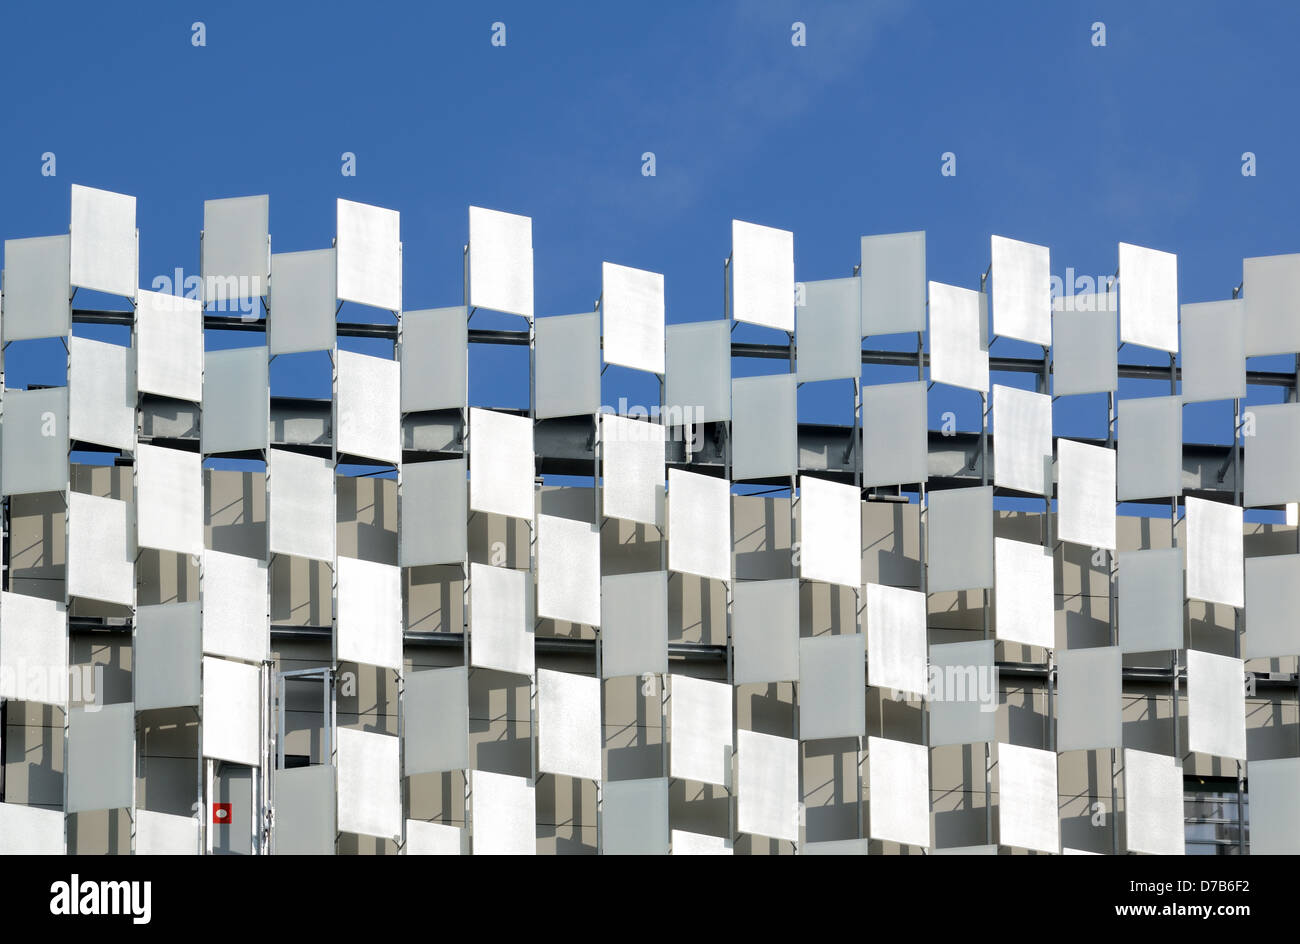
(221, 813)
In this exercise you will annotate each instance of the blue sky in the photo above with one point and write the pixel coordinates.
(1057, 142)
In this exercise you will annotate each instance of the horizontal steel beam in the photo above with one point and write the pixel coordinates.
(1031, 365)
(691, 652)
(564, 446)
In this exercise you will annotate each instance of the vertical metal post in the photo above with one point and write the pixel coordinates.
(207, 792)
(532, 547)
(465, 564)
(598, 523)
(67, 624)
(332, 721)
(663, 565)
(1173, 542)
(401, 592)
(984, 613)
(1112, 568)
(1045, 385)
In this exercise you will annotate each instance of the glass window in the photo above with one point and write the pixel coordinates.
(1216, 823)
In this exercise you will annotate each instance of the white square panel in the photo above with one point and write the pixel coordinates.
(37, 291)
(369, 613)
(303, 302)
(29, 830)
(832, 687)
(1022, 440)
(699, 525)
(1214, 351)
(1025, 597)
(1272, 454)
(697, 386)
(432, 518)
(1149, 457)
(34, 441)
(302, 505)
(369, 407)
(1153, 803)
(1022, 290)
(435, 727)
(101, 549)
(830, 347)
(1272, 600)
(898, 781)
(165, 834)
(101, 394)
(1086, 494)
(764, 427)
(236, 401)
(835, 847)
(767, 785)
(169, 346)
(1216, 705)
(1027, 799)
(895, 439)
(369, 784)
(503, 814)
(1275, 806)
(568, 725)
(632, 460)
(235, 607)
(762, 275)
(634, 624)
(958, 352)
(1148, 298)
(33, 650)
(896, 640)
(1091, 698)
(959, 529)
(232, 696)
(168, 655)
(501, 619)
(1084, 340)
(830, 532)
(101, 758)
(501, 261)
(634, 817)
(1272, 290)
(566, 368)
(568, 570)
(700, 731)
(1150, 595)
(963, 693)
(501, 463)
(687, 843)
(169, 485)
(236, 247)
(435, 359)
(765, 631)
(434, 839)
(369, 253)
(893, 283)
(632, 303)
(103, 253)
(1215, 545)
(305, 811)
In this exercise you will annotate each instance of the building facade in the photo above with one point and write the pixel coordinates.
(396, 621)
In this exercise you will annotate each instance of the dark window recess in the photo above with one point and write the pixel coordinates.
(1215, 823)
